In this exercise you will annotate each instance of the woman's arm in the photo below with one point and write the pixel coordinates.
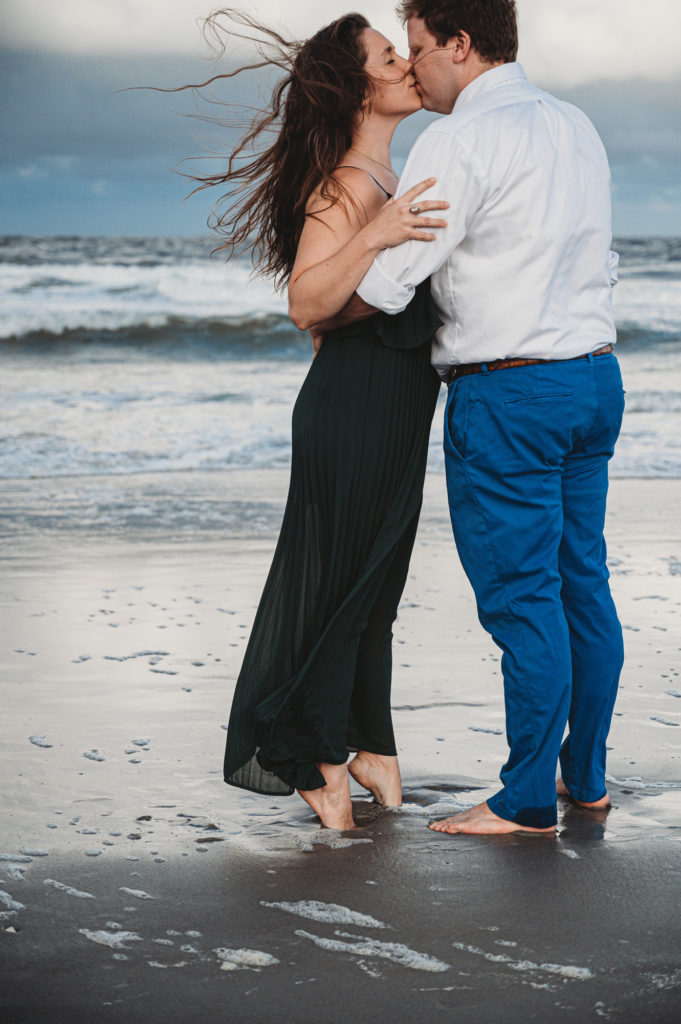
(339, 244)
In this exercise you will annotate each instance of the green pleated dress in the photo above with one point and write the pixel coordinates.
(315, 681)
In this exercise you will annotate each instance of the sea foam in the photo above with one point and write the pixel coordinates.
(330, 912)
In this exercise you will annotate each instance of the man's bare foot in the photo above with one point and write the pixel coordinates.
(332, 802)
(481, 821)
(380, 774)
(593, 805)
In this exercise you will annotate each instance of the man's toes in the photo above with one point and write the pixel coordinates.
(446, 825)
(449, 827)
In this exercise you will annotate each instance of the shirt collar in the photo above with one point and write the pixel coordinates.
(503, 74)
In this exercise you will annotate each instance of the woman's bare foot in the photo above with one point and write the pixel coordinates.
(593, 805)
(380, 774)
(332, 802)
(481, 821)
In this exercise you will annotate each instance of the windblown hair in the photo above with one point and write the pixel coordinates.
(312, 112)
(491, 24)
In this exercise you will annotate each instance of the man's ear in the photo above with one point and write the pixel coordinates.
(460, 46)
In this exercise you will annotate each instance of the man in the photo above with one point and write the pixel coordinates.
(522, 277)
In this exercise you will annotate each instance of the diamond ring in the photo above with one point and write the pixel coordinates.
(415, 210)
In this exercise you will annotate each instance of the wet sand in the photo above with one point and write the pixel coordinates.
(134, 885)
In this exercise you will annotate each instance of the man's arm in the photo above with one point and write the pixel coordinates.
(354, 310)
(339, 242)
(391, 281)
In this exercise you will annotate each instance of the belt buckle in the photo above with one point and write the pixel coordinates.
(454, 372)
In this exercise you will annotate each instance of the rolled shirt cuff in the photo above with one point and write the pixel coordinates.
(381, 292)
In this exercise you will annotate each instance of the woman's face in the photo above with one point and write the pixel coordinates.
(394, 84)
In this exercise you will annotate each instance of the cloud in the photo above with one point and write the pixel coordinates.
(45, 167)
(568, 42)
(79, 155)
(563, 42)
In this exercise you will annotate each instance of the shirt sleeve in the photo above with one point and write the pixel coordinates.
(614, 259)
(390, 282)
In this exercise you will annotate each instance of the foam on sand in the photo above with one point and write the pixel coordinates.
(114, 940)
(40, 741)
(447, 805)
(328, 837)
(137, 654)
(565, 971)
(68, 889)
(332, 913)
(10, 902)
(93, 755)
(636, 782)
(244, 959)
(363, 946)
(138, 893)
(14, 872)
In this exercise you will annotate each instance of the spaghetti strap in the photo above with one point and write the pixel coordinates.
(355, 168)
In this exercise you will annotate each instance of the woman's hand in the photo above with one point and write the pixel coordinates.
(396, 223)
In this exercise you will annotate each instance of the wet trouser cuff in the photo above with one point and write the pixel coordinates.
(528, 817)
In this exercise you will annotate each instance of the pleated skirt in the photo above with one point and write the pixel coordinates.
(315, 680)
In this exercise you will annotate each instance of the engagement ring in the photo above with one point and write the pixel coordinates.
(414, 209)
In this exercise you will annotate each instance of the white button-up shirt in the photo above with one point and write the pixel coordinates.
(524, 266)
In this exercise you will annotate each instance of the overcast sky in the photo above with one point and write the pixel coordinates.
(81, 157)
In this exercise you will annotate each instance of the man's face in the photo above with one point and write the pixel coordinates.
(437, 76)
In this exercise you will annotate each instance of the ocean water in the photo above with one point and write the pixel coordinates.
(123, 356)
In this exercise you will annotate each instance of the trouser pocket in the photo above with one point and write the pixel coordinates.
(456, 420)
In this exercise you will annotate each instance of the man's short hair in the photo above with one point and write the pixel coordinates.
(491, 24)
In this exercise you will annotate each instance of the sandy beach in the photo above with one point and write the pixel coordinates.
(136, 886)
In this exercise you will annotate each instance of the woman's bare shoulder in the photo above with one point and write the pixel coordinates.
(359, 197)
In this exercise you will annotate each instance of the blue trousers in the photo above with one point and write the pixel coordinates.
(526, 457)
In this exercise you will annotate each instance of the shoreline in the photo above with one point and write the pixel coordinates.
(123, 644)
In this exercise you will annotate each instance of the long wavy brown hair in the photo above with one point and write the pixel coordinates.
(313, 111)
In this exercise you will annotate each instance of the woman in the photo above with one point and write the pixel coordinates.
(315, 681)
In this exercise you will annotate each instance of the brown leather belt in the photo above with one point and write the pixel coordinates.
(503, 364)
